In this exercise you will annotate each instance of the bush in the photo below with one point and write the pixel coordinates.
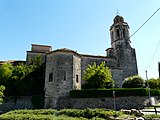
(2, 88)
(153, 83)
(133, 82)
(98, 76)
(64, 114)
(119, 92)
(89, 113)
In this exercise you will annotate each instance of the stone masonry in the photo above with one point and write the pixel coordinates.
(64, 67)
(63, 73)
(128, 102)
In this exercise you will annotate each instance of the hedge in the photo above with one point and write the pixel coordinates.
(63, 114)
(119, 92)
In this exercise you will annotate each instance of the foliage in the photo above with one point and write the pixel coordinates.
(89, 113)
(98, 76)
(133, 82)
(68, 114)
(2, 88)
(151, 117)
(5, 73)
(154, 83)
(64, 114)
(21, 71)
(119, 92)
(36, 61)
(15, 85)
(23, 79)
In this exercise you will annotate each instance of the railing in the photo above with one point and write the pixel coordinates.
(155, 109)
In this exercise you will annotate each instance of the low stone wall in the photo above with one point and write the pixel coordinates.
(12, 103)
(130, 102)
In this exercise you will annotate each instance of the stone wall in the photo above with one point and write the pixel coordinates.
(31, 55)
(76, 72)
(22, 102)
(91, 59)
(117, 76)
(64, 67)
(41, 48)
(127, 61)
(130, 102)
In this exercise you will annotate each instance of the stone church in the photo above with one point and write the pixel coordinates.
(64, 67)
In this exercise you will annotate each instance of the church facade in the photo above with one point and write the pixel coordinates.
(64, 67)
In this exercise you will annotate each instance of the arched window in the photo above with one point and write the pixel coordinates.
(117, 20)
(50, 77)
(77, 78)
(64, 76)
(118, 35)
(124, 33)
(112, 37)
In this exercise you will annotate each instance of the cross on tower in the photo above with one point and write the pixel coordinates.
(117, 12)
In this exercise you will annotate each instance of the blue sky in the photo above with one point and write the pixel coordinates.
(80, 25)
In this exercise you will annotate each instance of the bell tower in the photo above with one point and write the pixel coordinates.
(121, 49)
(119, 33)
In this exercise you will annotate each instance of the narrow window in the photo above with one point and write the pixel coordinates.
(118, 33)
(50, 77)
(124, 33)
(112, 37)
(77, 80)
(64, 76)
(117, 20)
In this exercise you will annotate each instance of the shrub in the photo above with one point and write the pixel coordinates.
(2, 88)
(119, 92)
(88, 113)
(153, 83)
(63, 114)
(133, 82)
(98, 76)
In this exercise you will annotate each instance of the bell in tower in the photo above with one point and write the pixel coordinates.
(119, 33)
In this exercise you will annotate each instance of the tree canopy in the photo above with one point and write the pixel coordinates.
(5, 72)
(22, 79)
(98, 76)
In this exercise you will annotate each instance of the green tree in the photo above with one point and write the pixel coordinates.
(133, 82)
(98, 76)
(23, 79)
(36, 61)
(21, 71)
(5, 73)
(2, 88)
(17, 84)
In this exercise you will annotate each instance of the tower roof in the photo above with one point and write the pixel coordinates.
(118, 19)
(65, 50)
